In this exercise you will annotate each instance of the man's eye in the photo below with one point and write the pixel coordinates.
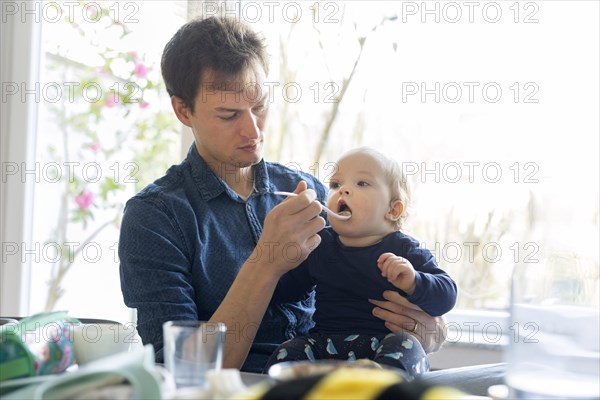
(228, 117)
(259, 109)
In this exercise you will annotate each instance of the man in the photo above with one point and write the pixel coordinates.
(210, 240)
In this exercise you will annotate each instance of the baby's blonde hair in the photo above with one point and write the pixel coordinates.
(394, 177)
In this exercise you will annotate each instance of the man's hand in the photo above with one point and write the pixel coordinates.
(290, 232)
(401, 315)
(398, 271)
(289, 235)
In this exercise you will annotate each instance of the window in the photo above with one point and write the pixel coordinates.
(479, 102)
(490, 107)
(105, 129)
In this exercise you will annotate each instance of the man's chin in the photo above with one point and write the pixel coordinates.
(248, 161)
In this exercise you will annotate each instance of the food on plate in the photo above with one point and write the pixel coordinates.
(297, 369)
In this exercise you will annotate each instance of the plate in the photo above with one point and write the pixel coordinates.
(297, 369)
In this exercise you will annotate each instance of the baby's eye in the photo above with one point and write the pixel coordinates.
(362, 183)
(334, 185)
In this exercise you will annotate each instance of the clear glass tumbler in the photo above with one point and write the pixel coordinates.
(555, 329)
(191, 348)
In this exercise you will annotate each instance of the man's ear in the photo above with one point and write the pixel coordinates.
(182, 111)
(395, 211)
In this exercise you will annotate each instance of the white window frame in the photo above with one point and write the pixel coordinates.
(20, 46)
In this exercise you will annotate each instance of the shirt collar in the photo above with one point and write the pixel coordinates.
(210, 185)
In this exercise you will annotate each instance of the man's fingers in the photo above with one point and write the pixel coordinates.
(301, 187)
(402, 322)
(398, 300)
(310, 228)
(399, 314)
(313, 242)
(300, 203)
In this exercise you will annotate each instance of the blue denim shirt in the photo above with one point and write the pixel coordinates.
(183, 241)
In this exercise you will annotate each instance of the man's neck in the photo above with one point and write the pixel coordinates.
(240, 181)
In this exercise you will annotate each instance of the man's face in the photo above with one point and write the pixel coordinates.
(229, 119)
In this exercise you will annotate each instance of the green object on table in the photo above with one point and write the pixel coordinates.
(41, 344)
(135, 369)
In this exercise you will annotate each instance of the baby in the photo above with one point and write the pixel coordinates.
(357, 260)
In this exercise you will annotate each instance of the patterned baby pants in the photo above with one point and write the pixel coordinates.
(399, 350)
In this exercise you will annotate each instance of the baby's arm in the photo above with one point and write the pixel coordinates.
(398, 271)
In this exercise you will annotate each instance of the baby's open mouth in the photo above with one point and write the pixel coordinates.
(343, 208)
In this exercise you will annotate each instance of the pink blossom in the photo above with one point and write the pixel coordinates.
(144, 104)
(94, 15)
(140, 70)
(102, 71)
(95, 147)
(111, 100)
(84, 200)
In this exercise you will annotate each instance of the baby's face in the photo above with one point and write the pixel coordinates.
(358, 187)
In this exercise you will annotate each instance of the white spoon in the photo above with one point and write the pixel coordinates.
(330, 212)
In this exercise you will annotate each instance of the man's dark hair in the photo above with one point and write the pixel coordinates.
(225, 46)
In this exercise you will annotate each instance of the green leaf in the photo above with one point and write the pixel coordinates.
(109, 185)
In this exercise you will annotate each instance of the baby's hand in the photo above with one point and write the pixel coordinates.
(398, 271)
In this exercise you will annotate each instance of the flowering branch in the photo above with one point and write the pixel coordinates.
(127, 86)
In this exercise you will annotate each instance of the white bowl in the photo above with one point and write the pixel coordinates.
(98, 340)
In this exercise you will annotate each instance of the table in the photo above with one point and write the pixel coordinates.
(250, 378)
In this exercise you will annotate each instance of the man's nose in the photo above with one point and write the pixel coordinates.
(249, 126)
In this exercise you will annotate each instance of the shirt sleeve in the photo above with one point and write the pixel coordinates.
(155, 270)
(435, 290)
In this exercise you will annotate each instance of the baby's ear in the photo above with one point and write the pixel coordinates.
(395, 211)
